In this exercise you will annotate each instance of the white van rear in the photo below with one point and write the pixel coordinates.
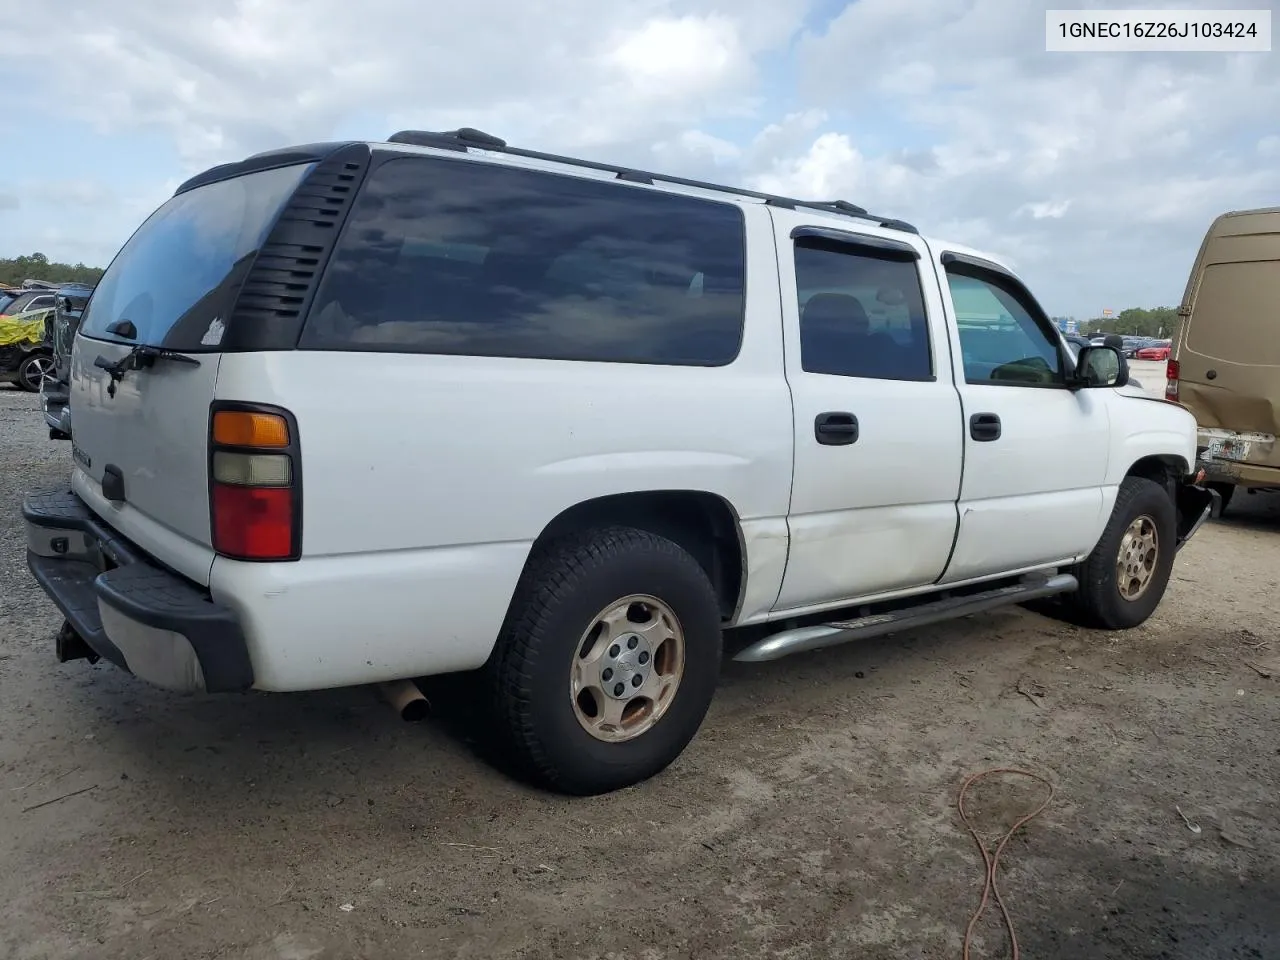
(1225, 366)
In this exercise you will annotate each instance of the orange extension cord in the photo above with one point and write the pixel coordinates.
(992, 858)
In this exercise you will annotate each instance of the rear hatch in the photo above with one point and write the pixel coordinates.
(144, 363)
(1228, 351)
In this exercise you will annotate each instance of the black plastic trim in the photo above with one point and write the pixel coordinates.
(271, 306)
(138, 588)
(902, 250)
(294, 453)
(469, 137)
(458, 139)
(268, 160)
(1196, 504)
(424, 138)
(844, 206)
(977, 263)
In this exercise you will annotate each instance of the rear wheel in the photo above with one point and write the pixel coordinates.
(1123, 580)
(33, 371)
(608, 660)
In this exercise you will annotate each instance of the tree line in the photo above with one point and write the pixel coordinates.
(36, 266)
(1135, 322)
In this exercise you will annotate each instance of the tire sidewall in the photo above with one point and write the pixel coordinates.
(1151, 500)
(20, 377)
(669, 575)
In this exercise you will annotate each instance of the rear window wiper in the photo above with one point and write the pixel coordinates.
(138, 358)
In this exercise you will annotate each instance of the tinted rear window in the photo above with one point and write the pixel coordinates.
(457, 257)
(1235, 317)
(177, 273)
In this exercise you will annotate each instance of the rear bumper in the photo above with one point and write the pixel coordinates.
(141, 617)
(1238, 458)
(1248, 475)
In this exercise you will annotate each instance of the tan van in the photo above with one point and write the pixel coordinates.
(1225, 364)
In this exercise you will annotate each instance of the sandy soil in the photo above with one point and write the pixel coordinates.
(812, 817)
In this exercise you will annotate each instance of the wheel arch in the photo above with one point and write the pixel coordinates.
(704, 524)
(1165, 469)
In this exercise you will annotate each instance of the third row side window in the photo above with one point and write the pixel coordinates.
(861, 313)
(455, 257)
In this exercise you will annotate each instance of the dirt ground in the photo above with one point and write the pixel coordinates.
(812, 817)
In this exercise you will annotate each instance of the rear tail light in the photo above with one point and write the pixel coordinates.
(1171, 372)
(255, 489)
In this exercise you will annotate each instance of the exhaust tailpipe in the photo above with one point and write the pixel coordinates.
(406, 699)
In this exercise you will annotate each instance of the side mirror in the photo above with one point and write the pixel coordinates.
(1100, 367)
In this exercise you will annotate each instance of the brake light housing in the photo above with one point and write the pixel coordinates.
(1172, 371)
(255, 482)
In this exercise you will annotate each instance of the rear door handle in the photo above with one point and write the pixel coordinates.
(835, 428)
(984, 427)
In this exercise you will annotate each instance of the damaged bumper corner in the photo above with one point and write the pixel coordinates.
(1196, 503)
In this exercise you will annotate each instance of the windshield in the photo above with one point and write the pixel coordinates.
(177, 273)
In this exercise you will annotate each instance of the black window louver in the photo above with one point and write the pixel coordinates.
(280, 285)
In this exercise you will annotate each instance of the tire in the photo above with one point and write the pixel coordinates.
(1100, 602)
(32, 371)
(1225, 491)
(566, 588)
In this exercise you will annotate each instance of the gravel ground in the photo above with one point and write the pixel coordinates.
(812, 817)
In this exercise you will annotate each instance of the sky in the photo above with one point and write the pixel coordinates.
(1096, 175)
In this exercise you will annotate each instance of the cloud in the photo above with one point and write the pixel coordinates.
(1051, 209)
(71, 193)
(227, 78)
(1099, 172)
(1096, 173)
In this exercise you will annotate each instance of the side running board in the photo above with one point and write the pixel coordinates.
(822, 635)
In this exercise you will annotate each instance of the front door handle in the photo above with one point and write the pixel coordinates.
(984, 427)
(836, 428)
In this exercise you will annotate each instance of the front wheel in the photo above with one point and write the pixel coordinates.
(608, 661)
(1123, 580)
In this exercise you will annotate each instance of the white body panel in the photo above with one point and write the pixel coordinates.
(877, 515)
(426, 479)
(1034, 496)
(423, 495)
(155, 430)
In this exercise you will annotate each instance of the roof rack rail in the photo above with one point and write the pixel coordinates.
(466, 137)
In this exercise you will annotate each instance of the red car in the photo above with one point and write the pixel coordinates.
(1157, 351)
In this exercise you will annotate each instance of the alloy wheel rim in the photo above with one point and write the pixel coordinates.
(1137, 558)
(626, 669)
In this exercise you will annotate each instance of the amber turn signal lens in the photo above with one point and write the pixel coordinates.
(242, 428)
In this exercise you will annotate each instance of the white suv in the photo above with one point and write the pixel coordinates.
(358, 413)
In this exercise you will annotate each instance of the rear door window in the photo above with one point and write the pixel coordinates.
(457, 257)
(861, 313)
(178, 272)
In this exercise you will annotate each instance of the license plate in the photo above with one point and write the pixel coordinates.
(1228, 448)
